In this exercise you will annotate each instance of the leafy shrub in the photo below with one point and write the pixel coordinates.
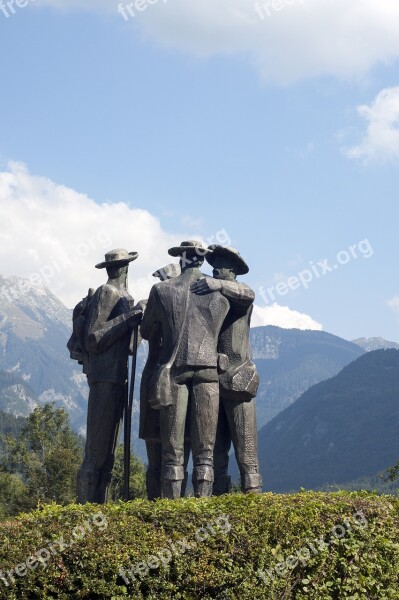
(256, 558)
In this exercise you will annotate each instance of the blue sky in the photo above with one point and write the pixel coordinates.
(208, 125)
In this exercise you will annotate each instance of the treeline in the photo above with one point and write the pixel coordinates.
(39, 460)
(10, 425)
(381, 484)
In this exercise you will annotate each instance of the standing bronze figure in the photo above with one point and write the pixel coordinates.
(108, 325)
(149, 429)
(186, 379)
(239, 382)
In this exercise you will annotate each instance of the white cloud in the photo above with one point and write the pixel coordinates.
(58, 235)
(296, 39)
(381, 141)
(55, 235)
(284, 317)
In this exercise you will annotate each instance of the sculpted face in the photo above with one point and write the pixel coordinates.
(117, 272)
(223, 269)
(191, 259)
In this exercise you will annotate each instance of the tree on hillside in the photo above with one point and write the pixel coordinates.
(46, 456)
(12, 495)
(392, 473)
(9, 424)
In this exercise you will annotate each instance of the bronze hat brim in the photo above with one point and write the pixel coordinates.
(120, 262)
(180, 250)
(240, 266)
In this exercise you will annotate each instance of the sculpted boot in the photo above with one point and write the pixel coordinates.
(171, 489)
(172, 478)
(251, 483)
(203, 481)
(222, 485)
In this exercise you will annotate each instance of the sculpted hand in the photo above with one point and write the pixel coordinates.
(206, 285)
(134, 317)
(142, 305)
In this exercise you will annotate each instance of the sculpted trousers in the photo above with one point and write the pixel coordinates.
(154, 469)
(104, 417)
(195, 393)
(237, 424)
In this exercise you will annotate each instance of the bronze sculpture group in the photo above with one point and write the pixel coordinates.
(198, 386)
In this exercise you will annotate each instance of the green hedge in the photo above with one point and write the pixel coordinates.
(307, 545)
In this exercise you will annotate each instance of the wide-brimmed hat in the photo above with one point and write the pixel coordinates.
(189, 247)
(168, 272)
(117, 258)
(231, 254)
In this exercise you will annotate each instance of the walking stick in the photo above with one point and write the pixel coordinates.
(128, 418)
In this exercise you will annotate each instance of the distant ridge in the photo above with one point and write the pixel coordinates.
(290, 361)
(375, 343)
(340, 430)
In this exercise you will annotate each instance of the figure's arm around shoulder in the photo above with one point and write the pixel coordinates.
(238, 293)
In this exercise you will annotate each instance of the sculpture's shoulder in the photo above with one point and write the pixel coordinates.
(245, 288)
(157, 289)
(175, 285)
(160, 285)
(165, 287)
(109, 295)
(106, 288)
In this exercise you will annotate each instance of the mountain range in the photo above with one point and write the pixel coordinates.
(340, 430)
(290, 361)
(35, 367)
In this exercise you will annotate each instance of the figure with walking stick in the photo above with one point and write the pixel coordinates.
(108, 323)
